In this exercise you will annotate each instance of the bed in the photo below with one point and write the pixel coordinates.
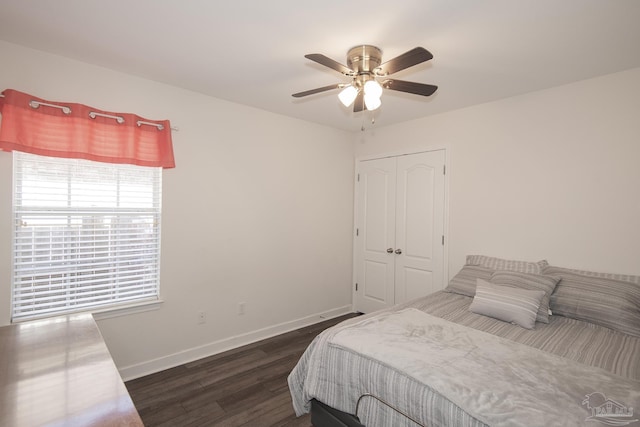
(484, 351)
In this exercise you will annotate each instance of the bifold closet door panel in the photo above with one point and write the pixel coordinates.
(376, 210)
(420, 193)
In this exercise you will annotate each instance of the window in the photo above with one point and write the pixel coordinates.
(86, 235)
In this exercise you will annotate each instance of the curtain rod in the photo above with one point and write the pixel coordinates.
(93, 115)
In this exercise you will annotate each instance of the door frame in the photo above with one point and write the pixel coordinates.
(356, 195)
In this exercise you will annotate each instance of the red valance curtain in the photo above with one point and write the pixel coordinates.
(63, 129)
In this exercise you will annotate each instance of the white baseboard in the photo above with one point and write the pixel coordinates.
(156, 365)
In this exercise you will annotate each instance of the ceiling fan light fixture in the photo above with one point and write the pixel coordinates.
(348, 95)
(372, 102)
(372, 88)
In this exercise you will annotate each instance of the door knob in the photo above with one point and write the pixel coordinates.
(390, 250)
(398, 251)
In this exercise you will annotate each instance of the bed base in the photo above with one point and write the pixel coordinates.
(326, 416)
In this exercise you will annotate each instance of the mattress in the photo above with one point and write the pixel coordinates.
(338, 377)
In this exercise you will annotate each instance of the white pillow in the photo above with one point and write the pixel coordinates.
(535, 282)
(514, 305)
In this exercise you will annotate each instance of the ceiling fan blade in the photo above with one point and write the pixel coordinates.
(408, 59)
(328, 62)
(358, 104)
(409, 87)
(317, 90)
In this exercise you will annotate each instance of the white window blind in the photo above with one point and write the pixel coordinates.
(86, 235)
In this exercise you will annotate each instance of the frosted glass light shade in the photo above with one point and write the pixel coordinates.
(372, 102)
(348, 95)
(373, 88)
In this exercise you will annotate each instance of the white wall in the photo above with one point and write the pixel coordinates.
(552, 174)
(258, 210)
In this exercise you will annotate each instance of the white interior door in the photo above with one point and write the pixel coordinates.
(419, 251)
(400, 221)
(376, 234)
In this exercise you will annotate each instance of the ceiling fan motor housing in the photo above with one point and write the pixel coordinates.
(364, 59)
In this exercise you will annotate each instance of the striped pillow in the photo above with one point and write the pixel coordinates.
(464, 283)
(621, 277)
(532, 282)
(598, 298)
(507, 264)
(518, 306)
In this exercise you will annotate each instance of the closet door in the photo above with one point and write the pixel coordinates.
(399, 251)
(419, 249)
(375, 240)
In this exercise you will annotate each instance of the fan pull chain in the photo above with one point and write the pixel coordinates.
(373, 121)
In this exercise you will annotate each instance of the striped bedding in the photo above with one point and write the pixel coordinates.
(337, 377)
(574, 339)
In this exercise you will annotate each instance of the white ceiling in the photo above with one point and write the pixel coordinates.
(252, 52)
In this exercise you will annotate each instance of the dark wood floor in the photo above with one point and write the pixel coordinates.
(246, 386)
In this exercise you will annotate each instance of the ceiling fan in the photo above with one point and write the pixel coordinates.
(364, 66)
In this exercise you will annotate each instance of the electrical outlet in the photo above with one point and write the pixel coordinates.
(241, 308)
(202, 317)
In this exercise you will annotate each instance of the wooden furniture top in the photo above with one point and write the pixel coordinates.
(58, 372)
